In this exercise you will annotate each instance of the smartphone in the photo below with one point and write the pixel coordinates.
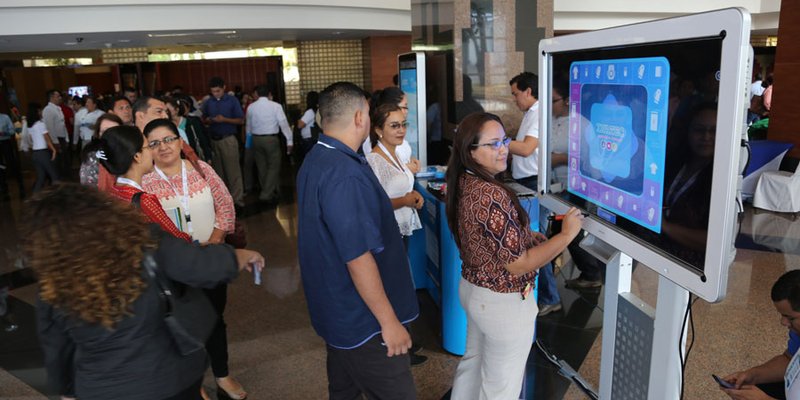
(723, 383)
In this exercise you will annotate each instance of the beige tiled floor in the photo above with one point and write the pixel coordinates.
(275, 353)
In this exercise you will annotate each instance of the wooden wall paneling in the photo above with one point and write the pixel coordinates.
(784, 123)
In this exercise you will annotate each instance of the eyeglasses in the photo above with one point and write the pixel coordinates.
(557, 100)
(155, 143)
(398, 125)
(495, 144)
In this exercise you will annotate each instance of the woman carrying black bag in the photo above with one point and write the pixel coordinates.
(101, 318)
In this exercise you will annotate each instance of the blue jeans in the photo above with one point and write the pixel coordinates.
(548, 291)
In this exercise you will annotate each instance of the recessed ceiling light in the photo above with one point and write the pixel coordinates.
(123, 40)
(70, 43)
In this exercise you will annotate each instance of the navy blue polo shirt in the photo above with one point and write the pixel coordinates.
(227, 106)
(343, 212)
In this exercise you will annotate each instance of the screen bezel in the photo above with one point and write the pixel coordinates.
(711, 283)
(417, 59)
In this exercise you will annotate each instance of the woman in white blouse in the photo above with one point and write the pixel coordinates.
(388, 131)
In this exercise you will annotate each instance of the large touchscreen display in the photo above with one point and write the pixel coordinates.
(638, 131)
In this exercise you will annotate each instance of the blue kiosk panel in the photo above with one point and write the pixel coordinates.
(436, 265)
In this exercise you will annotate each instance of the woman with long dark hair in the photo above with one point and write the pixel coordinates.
(125, 154)
(100, 317)
(500, 257)
(393, 95)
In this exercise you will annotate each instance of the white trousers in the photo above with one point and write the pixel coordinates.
(500, 329)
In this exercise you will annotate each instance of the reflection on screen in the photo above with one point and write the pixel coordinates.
(639, 139)
(408, 84)
(618, 122)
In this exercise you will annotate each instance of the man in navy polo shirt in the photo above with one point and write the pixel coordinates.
(352, 259)
(223, 115)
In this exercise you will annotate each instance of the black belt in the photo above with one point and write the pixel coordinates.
(266, 134)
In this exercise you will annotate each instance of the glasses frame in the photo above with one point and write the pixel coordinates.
(157, 143)
(495, 144)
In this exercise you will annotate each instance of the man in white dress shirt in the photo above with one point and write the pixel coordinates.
(525, 149)
(265, 120)
(525, 170)
(53, 119)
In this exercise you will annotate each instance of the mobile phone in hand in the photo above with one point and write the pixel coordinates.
(723, 383)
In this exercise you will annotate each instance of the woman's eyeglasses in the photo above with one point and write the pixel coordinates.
(155, 143)
(495, 144)
(398, 125)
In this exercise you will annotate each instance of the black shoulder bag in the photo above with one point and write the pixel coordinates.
(189, 315)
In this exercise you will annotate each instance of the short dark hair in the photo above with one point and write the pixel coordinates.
(262, 90)
(141, 105)
(525, 81)
(312, 100)
(389, 95)
(117, 99)
(216, 82)
(160, 123)
(339, 100)
(787, 287)
(119, 145)
(33, 113)
(50, 93)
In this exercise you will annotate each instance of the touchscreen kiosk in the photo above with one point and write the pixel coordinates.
(642, 127)
(412, 83)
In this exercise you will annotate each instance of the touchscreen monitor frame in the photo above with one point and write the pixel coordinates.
(735, 66)
(412, 66)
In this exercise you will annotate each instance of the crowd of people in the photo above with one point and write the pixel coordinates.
(168, 172)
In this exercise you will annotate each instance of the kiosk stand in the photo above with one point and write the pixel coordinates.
(640, 356)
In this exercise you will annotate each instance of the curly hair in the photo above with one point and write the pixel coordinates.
(86, 249)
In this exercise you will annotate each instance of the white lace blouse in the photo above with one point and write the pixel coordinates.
(396, 183)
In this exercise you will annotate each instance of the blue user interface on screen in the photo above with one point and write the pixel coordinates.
(408, 84)
(618, 134)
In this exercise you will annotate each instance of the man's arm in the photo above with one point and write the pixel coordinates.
(525, 147)
(50, 119)
(364, 272)
(768, 372)
(286, 130)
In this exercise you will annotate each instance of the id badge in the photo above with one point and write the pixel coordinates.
(527, 291)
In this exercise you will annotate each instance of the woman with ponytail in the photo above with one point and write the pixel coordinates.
(123, 152)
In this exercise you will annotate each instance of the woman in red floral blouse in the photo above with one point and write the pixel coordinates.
(500, 256)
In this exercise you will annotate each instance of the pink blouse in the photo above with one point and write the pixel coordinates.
(224, 217)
